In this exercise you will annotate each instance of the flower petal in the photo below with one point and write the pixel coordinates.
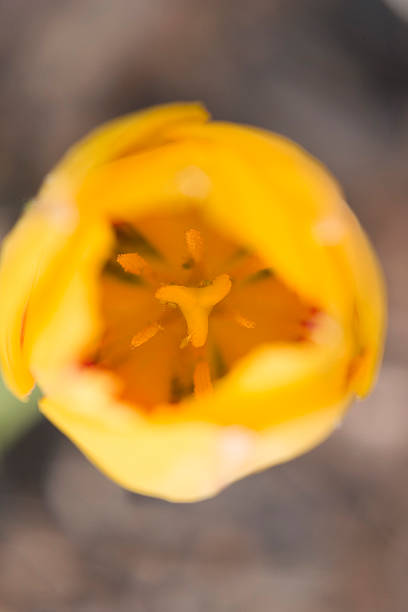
(125, 136)
(314, 207)
(44, 234)
(184, 461)
(25, 255)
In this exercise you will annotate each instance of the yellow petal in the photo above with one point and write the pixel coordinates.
(185, 461)
(150, 181)
(25, 256)
(125, 136)
(62, 317)
(313, 211)
(275, 384)
(296, 392)
(45, 235)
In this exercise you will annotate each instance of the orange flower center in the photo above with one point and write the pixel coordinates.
(181, 303)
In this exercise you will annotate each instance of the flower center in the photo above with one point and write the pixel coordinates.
(196, 303)
(181, 304)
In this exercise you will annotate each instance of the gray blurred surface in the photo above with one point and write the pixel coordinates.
(329, 531)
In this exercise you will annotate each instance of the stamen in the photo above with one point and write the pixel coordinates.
(146, 334)
(196, 304)
(195, 245)
(243, 321)
(135, 264)
(202, 379)
(132, 262)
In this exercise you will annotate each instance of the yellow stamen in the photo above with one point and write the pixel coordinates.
(196, 304)
(202, 379)
(132, 262)
(243, 321)
(195, 245)
(136, 264)
(146, 334)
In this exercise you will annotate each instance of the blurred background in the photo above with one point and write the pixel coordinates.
(328, 531)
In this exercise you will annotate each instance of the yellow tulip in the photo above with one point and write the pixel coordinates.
(194, 299)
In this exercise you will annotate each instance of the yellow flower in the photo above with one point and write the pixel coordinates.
(195, 300)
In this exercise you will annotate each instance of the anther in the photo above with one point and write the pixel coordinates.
(135, 264)
(146, 334)
(195, 245)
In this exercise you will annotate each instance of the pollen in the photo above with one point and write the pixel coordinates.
(132, 262)
(135, 264)
(146, 334)
(195, 245)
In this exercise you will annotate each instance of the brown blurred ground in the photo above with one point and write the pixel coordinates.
(329, 531)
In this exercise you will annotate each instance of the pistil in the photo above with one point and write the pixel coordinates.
(196, 304)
